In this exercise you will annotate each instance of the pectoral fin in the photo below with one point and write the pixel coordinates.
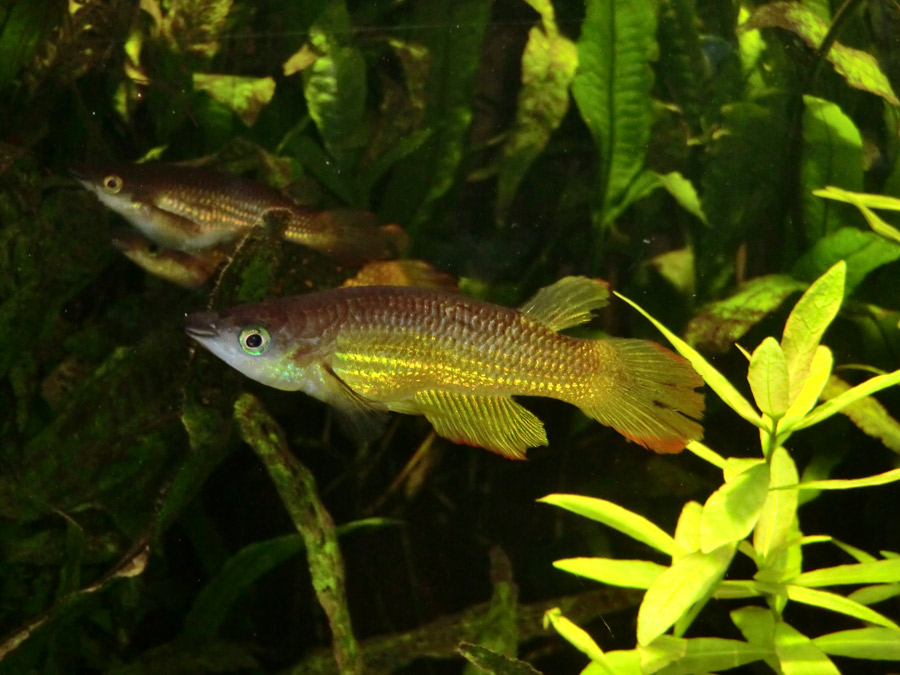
(496, 423)
(362, 419)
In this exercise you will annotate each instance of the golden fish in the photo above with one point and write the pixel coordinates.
(459, 362)
(191, 209)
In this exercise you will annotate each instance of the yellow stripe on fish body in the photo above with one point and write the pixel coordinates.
(459, 361)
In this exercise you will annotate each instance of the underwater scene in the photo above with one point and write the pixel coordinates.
(463, 336)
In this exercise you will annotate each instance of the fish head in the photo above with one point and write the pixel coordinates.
(256, 340)
(109, 183)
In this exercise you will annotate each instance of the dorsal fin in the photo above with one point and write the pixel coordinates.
(569, 302)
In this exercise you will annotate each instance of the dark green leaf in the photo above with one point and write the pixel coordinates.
(863, 252)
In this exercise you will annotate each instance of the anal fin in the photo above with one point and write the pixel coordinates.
(496, 423)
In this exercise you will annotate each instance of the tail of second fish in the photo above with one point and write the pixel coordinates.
(646, 393)
(347, 235)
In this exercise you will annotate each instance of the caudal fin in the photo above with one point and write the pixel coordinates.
(646, 393)
(352, 237)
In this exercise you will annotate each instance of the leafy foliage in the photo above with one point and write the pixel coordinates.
(719, 160)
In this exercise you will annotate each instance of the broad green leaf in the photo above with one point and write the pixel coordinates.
(720, 324)
(623, 662)
(613, 515)
(768, 377)
(683, 65)
(626, 573)
(757, 625)
(300, 60)
(612, 90)
(797, 655)
(865, 202)
(676, 267)
(836, 603)
(245, 96)
(879, 571)
(21, 31)
(335, 83)
(841, 401)
(832, 155)
(731, 512)
(891, 476)
(684, 192)
(882, 644)
(780, 508)
(867, 414)
(858, 68)
(578, 638)
(809, 394)
(548, 66)
(716, 381)
(669, 597)
(807, 322)
(863, 252)
(687, 531)
(704, 655)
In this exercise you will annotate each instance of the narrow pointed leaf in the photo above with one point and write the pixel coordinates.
(687, 531)
(882, 644)
(613, 515)
(812, 388)
(879, 571)
(841, 401)
(625, 573)
(716, 381)
(731, 512)
(669, 597)
(578, 638)
(891, 476)
(705, 655)
(836, 603)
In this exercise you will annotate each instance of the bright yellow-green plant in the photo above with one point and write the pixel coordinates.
(754, 514)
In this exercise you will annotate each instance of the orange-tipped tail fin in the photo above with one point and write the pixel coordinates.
(646, 393)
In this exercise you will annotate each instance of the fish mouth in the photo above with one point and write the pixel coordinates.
(201, 325)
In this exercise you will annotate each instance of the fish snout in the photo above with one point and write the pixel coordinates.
(201, 325)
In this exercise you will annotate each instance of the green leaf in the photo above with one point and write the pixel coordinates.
(863, 252)
(891, 476)
(807, 322)
(871, 595)
(731, 512)
(612, 89)
(879, 571)
(797, 654)
(882, 644)
(757, 625)
(867, 414)
(768, 377)
(704, 655)
(813, 385)
(578, 638)
(625, 573)
(669, 597)
(863, 202)
(716, 381)
(622, 662)
(335, 84)
(647, 182)
(720, 324)
(836, 603)
(832, 155)
(195, 26)
(841, 401)
(858, 68)
(684, 193)
(687, 531)
(548, 66)
(780, 508)
(613, 515)
(245, 96)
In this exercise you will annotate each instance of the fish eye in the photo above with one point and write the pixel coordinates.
(255, 340)
(112, 183)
